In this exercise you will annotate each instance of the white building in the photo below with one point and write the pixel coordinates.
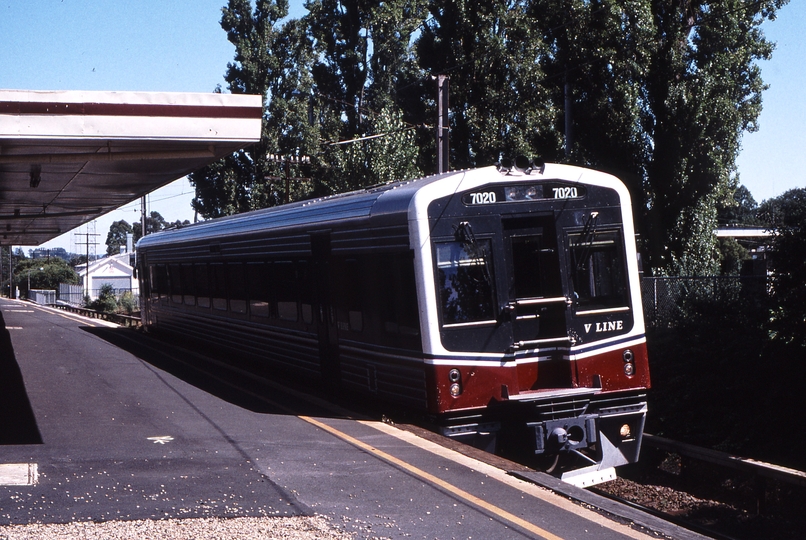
(114, 270)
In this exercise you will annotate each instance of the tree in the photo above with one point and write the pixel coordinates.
(363, 55)
(43, 273)
(177, 224)
(660, 93)
(327, 78)
(154, 223)
(77, 260)
(389, 157)
(657, 92)
(491, 50)
(117, 236)
(786, 215)
(740, 210)
(272, 59)
(118, 231)
(46, 253)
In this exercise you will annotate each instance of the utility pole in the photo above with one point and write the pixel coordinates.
(87, 244)
(143, 218)
(10, 271)
(443, 124)
(569, 121)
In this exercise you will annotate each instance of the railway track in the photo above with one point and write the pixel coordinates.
(682, 522)
(714, 493)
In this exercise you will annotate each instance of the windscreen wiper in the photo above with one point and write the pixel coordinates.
(477, 252)
(587, 237)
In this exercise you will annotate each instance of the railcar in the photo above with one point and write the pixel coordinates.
(500, 297)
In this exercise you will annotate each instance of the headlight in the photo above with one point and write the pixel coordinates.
(629, 367)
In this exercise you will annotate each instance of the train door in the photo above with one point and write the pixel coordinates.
(536, 302)
(323, 309)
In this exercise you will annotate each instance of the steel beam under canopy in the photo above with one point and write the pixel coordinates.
(68, 157)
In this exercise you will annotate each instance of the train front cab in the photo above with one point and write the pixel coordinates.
(536, 324)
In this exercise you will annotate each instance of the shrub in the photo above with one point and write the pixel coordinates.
(106, 301)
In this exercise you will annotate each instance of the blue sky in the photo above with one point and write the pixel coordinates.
(179, 46)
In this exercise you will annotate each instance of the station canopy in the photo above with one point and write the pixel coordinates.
(68, 157)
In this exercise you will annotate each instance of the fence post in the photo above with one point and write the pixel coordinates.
(655, 301)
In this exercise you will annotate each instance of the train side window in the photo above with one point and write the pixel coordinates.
(306, 287)
(286, 290)
(237, 287)
(188, 285)
(307, 313)
(154, 278)
(202, 285)
(465, 282)
(598, 270)
(218, 286)
(160, 282)
(356, 320)
(401, 313)
(258, 289)
(348, 280)
(175, 278)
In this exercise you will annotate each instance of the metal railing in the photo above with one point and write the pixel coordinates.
(758, 470)
(117, 318)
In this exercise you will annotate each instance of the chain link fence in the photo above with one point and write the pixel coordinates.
(668, 300)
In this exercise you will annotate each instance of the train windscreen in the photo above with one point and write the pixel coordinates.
(465, 282)
(598, 269)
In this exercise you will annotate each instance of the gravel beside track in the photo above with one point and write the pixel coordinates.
(290, 528)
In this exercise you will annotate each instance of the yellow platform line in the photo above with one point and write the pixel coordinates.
(428, 477)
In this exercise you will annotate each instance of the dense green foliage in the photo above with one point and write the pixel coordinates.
(43, 273)
(735, 359)
(116, 236)
(106, 301)
(720, 379)
(500, 97)
(658, 92)
(786, 215)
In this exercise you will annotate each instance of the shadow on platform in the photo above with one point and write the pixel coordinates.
(17, 421)
(250, 385)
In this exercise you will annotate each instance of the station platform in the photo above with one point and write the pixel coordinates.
(101, 423)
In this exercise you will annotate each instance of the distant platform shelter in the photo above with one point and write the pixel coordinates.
(67, 157)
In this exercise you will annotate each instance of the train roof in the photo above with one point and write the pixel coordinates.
(373, 201)
(393, 199)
